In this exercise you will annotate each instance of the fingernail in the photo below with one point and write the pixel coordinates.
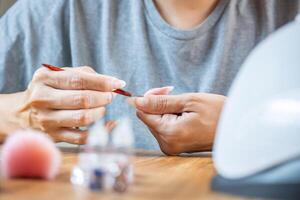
(122, 83)
(118, 84)
(170, 88)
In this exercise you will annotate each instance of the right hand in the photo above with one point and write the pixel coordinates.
(57, 102)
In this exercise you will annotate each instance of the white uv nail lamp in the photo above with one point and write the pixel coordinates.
(258, 136)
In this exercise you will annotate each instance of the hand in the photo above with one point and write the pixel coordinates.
(57, 102)
(181, 123)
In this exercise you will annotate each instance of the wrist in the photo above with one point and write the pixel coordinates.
(12, 116)
(20, 112)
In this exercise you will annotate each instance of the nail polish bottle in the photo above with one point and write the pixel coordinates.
(104, 164)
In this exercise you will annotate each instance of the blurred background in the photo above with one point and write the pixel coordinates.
(4, 5)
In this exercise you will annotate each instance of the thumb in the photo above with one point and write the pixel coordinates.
(160, 104)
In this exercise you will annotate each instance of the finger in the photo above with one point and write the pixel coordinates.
(84, 68)
(78, 118)
(72, 136)
(72, 79)
(159, 91)
(152, 121)
(160, 123)
(155, 91)
(77, 99)
(160, 104)
(110, 125)
(51, 120)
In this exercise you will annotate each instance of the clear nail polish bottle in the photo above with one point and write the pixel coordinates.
(105, 161)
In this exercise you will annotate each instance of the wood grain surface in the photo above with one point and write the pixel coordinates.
(156, 177)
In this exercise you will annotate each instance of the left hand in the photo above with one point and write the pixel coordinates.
(181, 123)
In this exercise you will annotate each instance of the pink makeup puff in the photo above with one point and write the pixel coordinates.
(30, 154)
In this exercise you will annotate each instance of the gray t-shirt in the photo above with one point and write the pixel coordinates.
(129, 39)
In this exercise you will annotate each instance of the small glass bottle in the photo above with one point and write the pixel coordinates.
(105, 162)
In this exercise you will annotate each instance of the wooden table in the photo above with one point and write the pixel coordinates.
(156, 177)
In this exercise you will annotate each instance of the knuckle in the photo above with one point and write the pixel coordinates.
(39, 75)
(43, 122)
(109, 97)
(160, 104)
(81, 139)
(87, 69)
(76, 81)
(194, 97)
(83, 100)
(192, 100)
(83, 118)
(36, 96)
